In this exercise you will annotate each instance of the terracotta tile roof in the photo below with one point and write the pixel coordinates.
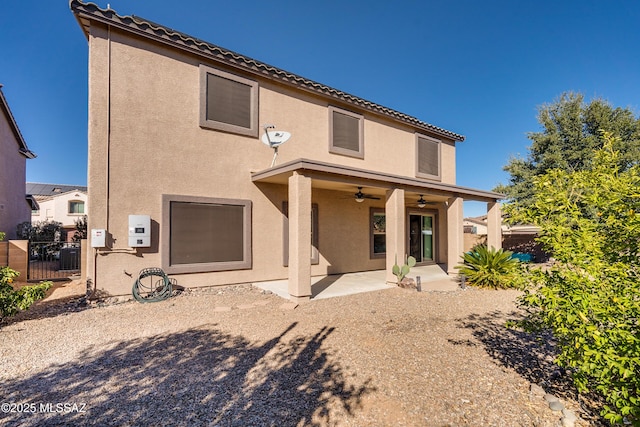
(89, 11)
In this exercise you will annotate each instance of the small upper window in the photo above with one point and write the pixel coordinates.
(228, 102)
(346, 133)
(427, 157)
(76, 207)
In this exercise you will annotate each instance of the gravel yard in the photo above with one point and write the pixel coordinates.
(238, 356)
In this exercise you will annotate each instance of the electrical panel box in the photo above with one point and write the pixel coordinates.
(98, 238)
(139, 231)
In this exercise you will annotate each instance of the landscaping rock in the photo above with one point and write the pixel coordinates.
(407, 283)
(536, 390)
(556, 405)
(568, 418)
(550, 398)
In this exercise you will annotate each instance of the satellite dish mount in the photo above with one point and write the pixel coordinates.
(274, 139)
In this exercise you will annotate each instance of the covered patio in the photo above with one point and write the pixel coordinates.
(432, 277)
(396, 195)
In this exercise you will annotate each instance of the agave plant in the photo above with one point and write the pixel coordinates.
(489, 268)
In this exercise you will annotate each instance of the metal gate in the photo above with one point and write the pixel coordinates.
(53, 260)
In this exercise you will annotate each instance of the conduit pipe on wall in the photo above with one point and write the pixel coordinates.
(107, 158)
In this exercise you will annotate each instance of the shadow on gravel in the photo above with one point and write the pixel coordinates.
(45, 309)
(196, 377)
(532, 356)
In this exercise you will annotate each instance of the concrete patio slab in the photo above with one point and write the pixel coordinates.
(433, 278)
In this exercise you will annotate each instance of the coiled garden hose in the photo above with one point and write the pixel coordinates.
(157, 287)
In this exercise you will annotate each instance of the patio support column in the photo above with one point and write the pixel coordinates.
(494, 225)
(455, 236)
(299, 237)
(395, 231)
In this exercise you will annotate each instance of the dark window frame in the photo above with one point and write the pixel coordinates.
(252, 130)
(372, 253)
(245, 263)
(79, 202)
(429, 139)
(341, 150)
(435, 214)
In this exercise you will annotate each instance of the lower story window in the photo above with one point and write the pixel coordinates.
(378, 233)
(206, 234)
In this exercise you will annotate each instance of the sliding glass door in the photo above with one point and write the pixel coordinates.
(421, 237)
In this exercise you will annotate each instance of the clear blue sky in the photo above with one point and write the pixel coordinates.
(479, 68)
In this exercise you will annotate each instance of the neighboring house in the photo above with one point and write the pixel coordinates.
(516, 238)
(14, 203)
(61, 203)
(175, 128)
(478, 225)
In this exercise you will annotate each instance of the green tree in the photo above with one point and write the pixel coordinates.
(40, 231)
(81, 229)
(570, 134)
(590, 298)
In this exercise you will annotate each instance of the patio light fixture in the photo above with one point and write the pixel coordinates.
(421, 202)
(359, 195)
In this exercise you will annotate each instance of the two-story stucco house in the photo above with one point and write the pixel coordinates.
(15, 206)
(175, 130)
(65, 204)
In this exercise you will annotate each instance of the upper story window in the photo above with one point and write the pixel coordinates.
(346, 133)
(76, 207)
(427, 157)
(228, 102)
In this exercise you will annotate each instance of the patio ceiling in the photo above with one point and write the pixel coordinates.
(344, 178)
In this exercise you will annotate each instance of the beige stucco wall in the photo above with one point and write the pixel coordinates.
(4, 254)
(18, 257)
(145, 141)
(14, 208)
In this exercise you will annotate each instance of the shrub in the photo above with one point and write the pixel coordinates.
(489, 268)
(2, 236)
(12, 300)
(590, 297)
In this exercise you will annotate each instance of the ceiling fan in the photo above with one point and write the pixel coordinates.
(421, 203)
(360, 196)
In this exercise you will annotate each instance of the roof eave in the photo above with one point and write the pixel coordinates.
(23, 149)
(376, 178)
(89, 11)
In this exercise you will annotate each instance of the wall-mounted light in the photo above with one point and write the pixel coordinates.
(422, 202)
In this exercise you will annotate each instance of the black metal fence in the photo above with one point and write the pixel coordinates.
(53, 260)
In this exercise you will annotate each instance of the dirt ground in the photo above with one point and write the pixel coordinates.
(241, 356)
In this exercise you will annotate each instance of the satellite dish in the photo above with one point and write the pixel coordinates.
(275, 138)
